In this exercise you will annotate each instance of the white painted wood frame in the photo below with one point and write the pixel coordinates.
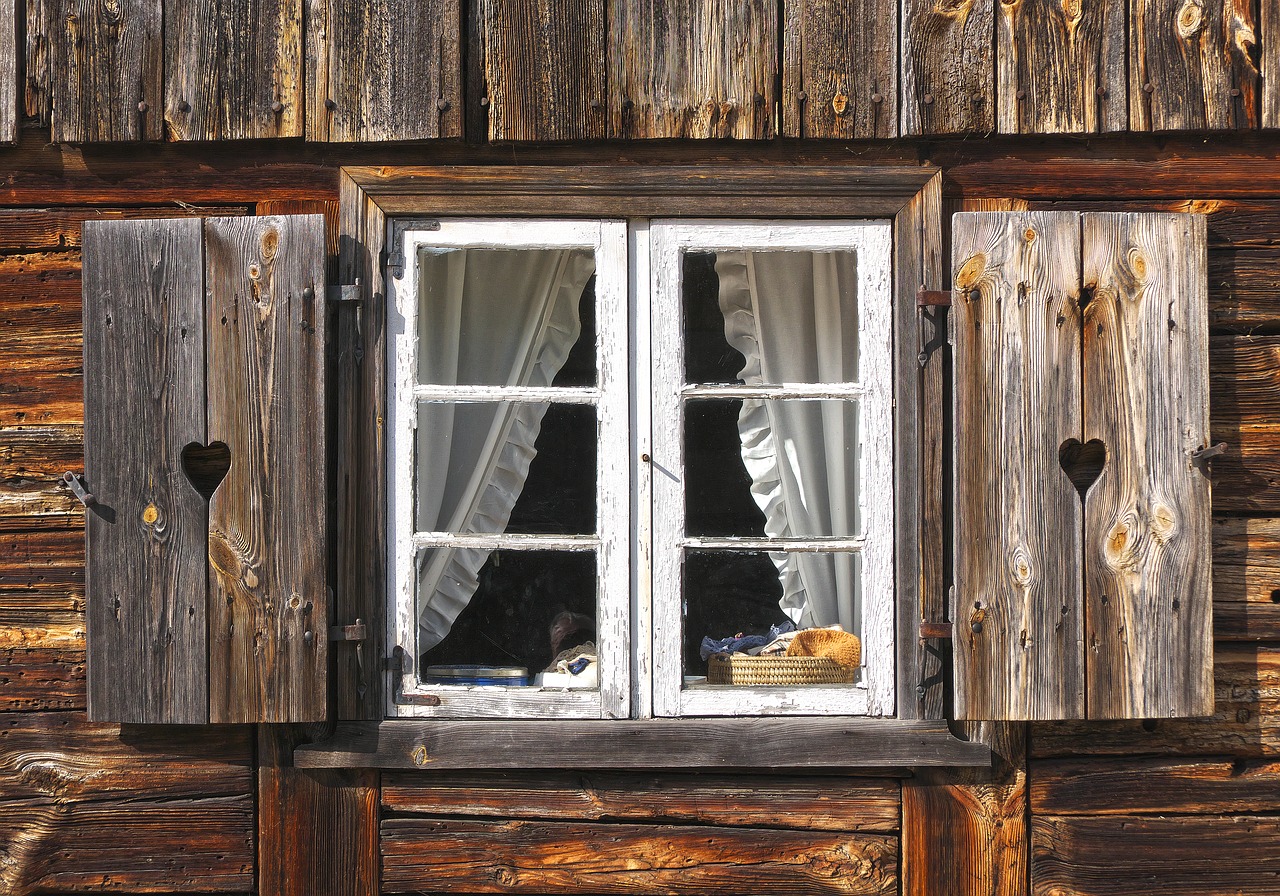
(872, 242)
(608, 240)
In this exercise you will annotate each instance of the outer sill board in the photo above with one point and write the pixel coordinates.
(759, 743)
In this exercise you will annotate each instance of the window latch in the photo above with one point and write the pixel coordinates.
(934, 299)
(86, 497)
(345, 293)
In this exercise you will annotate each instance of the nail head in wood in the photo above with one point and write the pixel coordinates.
(1235, 91)
(442, 104)
(184, 106)
(928, 99)
(1149, 87)
(277, 107)
(484, 102)
(801, 95)
(143, 107)
(877, 98)
(330, 104)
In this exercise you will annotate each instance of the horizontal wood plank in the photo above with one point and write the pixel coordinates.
(38, 678)
(654, 744)
(1246, 579)
(1246, 480)
(1135, 786)
(423, 854)
(1123, 855)
(33, 229)
(1244, 380)
(829, 804)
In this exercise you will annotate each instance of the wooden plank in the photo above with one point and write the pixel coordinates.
(1245, 722)
(1244, 286)
(108, 63)
(52, 559)
(964, 832)
(11, 53)
(692, 69)
(948, 67)
(541, 69)
(1192, 65)
(1110, 856)
(339, 810)
(144, 312)
(1246, 579)
(1246, 480)
(817, 804)
(1147, 563)
(233, 69)
(33, 229)
(840, 69)
(37, 100)
(1244, 379)
(1130, 786)
(268, 606)
(1016, 344)
(34, 679)
(1061, 67)
(725, 743)
(526, 856)
(1233, 223)
(383, 70)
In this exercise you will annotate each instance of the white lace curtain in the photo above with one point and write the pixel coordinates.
(494, 317)
(794, 317)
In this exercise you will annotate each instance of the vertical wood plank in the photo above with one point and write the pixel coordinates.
(692, 68)
(1016, 343)
(840, 69)
(542, 68)
(11, 52)
(227, 64)
(948, 66)
(1147, 550)
(107, 74)
(268, 607)
(37, 87)
(383, 70)
(1061, 67)
(144, 401)
(1192, 65)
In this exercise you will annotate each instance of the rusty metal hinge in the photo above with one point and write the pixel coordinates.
(941, 631)
(933, 298)
(928, 303)
(397, 671)
(345, 293)
(357, 632)
(86, 497)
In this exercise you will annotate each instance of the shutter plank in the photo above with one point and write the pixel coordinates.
(842, 54)
(692, 68)
(37, 100)
(144, 400)
(267, 529)
(1148, 588)
(542, 68)
(1198, 60)
(948, 70)
(108, 60)
(389, 70)
(1016, 343)
(1061, 67)
(226, 62)
(10, 50)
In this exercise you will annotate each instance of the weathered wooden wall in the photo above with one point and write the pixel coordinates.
(1177, 807)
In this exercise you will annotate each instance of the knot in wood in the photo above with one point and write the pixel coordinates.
(150, 515)
(1029, 235)
(971, 272)
(1190, 19)
(1072, 9)
(839, 103)
(1137, 263)
(1021, 568)
(419, 756)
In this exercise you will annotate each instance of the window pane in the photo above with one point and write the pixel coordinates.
(506, 317)
(507, 610)
(777, 468)
(731, 593)
(519, 467)
(770, 317)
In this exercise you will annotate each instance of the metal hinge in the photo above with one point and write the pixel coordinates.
(927, 299)
(395, 241)
(345, 293)
(356, 633)
(933, 298)
(86, 497)
(397, 671)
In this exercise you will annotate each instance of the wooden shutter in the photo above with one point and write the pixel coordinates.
(1082, 560)
(204, 449)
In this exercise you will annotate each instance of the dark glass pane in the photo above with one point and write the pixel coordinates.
(773, 467)
(519, 609)
(519, 467)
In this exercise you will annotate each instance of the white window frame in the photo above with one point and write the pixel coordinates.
(640, 353)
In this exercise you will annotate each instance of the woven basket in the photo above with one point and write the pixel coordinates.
(742, 669)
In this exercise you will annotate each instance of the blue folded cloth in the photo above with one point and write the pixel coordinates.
(741, 643)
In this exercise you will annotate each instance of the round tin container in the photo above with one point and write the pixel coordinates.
(468, 674)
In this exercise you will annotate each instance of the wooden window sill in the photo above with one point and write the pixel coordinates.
(758, 743)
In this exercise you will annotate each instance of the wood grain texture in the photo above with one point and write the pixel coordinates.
(840, 69)
(11, 56)
(1247, 478)
(144, 313)
(383, 70)
(1016, 344)
(108, 71)
(1140, 786)
(42, 678)
(427, 854)
(540, 64)
(1114, 855)
(819, 804)
(1200, 62)
(692, 69)
(1147, 563)
(1246, 579)
(1061, 67)
(1244, 377)
(227, 63)
(1245, 722)
(37, 86)
(28, 230)
(948, 67)
(268, 606)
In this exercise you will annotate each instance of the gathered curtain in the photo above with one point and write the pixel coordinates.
(793, 315)
(494, 317)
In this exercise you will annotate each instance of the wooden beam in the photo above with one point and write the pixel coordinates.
(948, 67)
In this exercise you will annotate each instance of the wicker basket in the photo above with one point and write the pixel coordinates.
(742, 669)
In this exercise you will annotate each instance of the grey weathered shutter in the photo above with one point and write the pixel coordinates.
(1081, 350)
(205, 452)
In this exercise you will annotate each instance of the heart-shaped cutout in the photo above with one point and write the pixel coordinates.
(206, 466)
(1082, 462)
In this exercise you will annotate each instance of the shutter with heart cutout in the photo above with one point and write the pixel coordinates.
(204, 350)
(1082, 493)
